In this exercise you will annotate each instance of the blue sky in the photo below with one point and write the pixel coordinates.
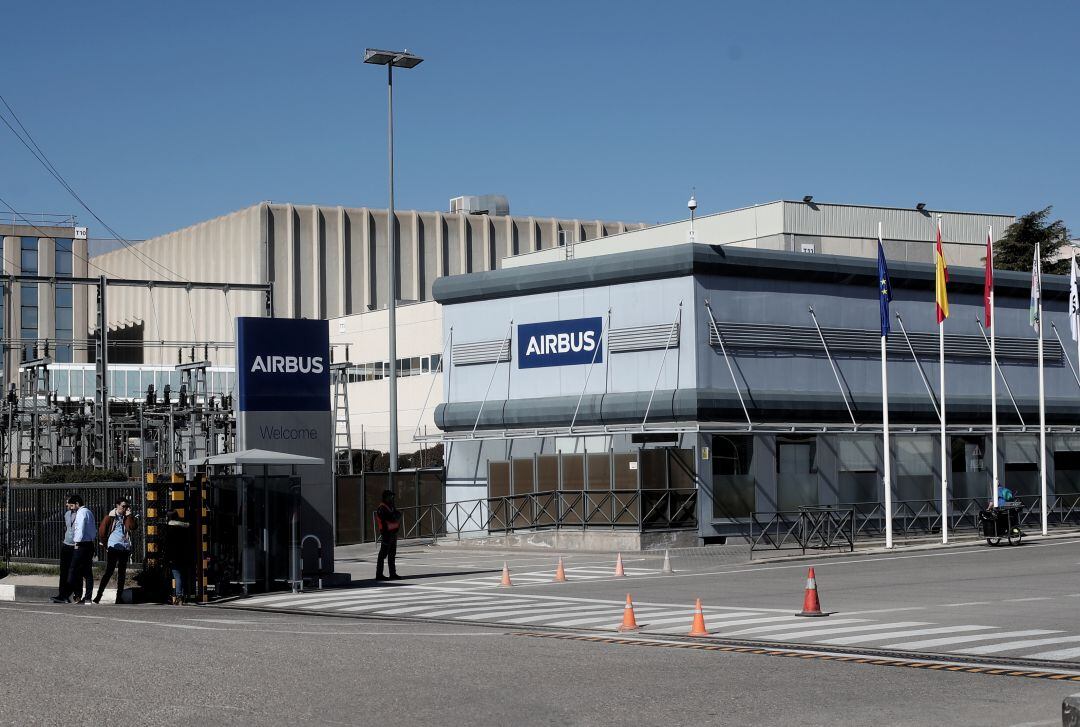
(163, 115)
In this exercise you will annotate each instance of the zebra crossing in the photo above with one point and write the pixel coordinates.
(536, 577)
(467, 605)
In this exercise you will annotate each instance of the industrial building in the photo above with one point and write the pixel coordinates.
(329, 262)
(737, 381)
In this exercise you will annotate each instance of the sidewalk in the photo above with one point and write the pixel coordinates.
(39, 589)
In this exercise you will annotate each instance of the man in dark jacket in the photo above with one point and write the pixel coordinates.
(179, 555)
(388, 522)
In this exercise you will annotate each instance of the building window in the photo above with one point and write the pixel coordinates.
(64, 308)
(796, 472)
(916, 477)
(733, 484)
(28, 313)
(858, 472)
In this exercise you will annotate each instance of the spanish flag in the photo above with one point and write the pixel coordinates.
(941, 278)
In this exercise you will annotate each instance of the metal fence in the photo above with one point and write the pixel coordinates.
(34, 518)
(636, 510)
(808, 528)
(840, 526)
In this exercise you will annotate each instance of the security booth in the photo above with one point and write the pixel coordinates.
(254, 523)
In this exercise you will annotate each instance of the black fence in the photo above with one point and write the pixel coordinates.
(32, 523)
(840, 526)
(636, 510)
(808, 528)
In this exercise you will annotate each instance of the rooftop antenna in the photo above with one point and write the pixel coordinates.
(692, 205)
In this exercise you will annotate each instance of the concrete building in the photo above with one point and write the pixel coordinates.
(812, 227)
(329, 262)
(40, 316)
(324, 262)
(712, 384)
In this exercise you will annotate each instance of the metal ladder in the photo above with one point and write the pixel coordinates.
(342, 430)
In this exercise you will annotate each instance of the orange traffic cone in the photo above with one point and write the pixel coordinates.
(811, 606)
(619, 572)
(505, 576)
(698, 627)
(560, 573)
(629, 623)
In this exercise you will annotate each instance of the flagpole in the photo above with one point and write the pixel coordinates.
(885, 432)
(1042, 399)
(941, 398)
(992, 318)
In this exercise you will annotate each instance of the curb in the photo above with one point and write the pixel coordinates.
(43, 594)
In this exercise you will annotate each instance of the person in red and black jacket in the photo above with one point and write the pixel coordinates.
(388, 522)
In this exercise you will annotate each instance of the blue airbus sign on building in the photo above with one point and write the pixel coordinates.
(560, 343)
(283, 364)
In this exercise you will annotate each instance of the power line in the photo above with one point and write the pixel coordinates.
(38, 154)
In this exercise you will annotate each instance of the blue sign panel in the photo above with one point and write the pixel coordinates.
(283, 364)
(560, 343)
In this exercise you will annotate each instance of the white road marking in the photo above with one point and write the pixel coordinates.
(1022, 644)
(843, 629)
(904, 633)
(475, 600)
(1059, 654)
(967, 603)
(885, 610)
(797, 624)
(930, 643)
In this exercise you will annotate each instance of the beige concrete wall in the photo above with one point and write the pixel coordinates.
(420, 333)
(225, 249)
(325, 262)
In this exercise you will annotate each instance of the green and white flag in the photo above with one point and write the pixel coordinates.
(1036, 291)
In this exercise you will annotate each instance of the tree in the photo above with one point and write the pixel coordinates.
(1016, 248)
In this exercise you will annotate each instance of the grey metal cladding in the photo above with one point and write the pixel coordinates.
(480, 352)
(897, 224)
(772, 337)
(643, 338)
(682, 260)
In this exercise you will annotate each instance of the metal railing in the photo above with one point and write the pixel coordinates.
(828, 527)
(639, 510)
(45, 219)
(808, 528)
(36, 519)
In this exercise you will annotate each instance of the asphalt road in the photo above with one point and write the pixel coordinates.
(119, 665)
(1013, 602)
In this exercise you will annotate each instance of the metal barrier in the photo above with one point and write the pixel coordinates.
(638, 510)
(808, 528)
(36, 517)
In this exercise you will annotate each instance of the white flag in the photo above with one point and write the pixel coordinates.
(1074, 302)
(1036, 291)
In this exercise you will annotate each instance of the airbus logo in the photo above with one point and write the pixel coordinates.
(287, 364)
(561, 343)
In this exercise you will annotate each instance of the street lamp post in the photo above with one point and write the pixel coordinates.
(401, 59)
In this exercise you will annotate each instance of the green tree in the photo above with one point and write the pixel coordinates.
(1016, 248)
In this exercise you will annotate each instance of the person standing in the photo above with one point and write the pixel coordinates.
(115, 534)
(388, 520)
(84, 535)
(67, 552)
(178, 554)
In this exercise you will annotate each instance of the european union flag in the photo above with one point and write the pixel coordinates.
(884, 288)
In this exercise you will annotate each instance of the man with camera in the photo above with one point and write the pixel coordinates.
(115, 534)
